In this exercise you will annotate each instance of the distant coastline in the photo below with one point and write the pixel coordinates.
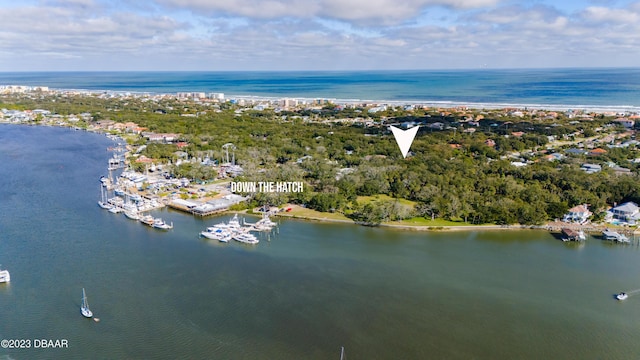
(596, 90)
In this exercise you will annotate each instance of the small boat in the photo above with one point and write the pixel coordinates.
(342, 355)
(5, 276)
(622, 296)
(160, 224)
(84, 308)
(615, 236)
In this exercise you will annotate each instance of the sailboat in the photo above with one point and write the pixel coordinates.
(84, 308)
(103, 200)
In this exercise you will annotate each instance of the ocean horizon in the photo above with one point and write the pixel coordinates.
(606, 89)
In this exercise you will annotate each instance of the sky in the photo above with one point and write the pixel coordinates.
(223, 35)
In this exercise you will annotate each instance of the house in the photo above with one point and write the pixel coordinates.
(578, 214)
(627, 123)
(591, 168)
(574, 151)
(628, 212)
(597, 152)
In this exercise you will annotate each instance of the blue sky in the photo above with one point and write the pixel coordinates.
(44, 35)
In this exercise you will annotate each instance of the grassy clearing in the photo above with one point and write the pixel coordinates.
(297, 211)
(420, 221)
(383, 197)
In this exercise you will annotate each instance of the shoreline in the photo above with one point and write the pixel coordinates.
(552, 226)
(415, 227)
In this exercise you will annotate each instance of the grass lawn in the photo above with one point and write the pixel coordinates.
(420, 221)
(297, 211)
(383, 197)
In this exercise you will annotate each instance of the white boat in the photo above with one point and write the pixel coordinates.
(103, 201)
(84, 308)
(5, 276)
(615, 236)
(622, 296)
(132, 214)
(147, 220)
(160, 224)
(216, 233)
(115, 210)
(234, 223)
(245, 238)
(264, 224)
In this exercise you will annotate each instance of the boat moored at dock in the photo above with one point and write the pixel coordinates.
(573, 235)
(615, 236)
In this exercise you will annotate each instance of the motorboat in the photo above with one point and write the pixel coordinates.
(245, 238)
(615, 236)
(5, 276)
(147, 220)
(133, 215)
(622, 296)
(216, 233)
(84, 308)
(160, 224)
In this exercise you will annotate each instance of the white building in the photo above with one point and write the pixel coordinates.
(578, 214)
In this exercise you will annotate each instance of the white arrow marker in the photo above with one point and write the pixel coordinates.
(404, 138)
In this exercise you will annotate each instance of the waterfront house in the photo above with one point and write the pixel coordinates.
(578, 214)
(628, 212)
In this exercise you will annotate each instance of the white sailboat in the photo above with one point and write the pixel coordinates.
(84, 308)
(103, 201)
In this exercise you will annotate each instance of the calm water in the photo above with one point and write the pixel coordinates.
(579, 88)
(310, 290)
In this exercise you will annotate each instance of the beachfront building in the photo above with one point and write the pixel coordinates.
(627, 213)
(578, 214)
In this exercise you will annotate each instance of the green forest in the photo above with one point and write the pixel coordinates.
(451, 174)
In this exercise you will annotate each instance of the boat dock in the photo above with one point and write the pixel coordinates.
(623, 235)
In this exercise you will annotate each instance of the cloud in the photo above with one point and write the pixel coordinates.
(320, 34)
(360, 11)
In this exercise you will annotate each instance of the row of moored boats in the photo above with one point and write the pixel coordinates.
(131, 208)
(233, 230)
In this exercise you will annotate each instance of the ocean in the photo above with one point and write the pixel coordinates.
(303, 293)
(616, 89)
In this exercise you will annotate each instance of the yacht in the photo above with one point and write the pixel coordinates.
(160, 224)
(245, 238)
(132, 214)
(622, 296)
(216, 233)
(234, 223)
(147, 220)
(4, 276)
(264, 224)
